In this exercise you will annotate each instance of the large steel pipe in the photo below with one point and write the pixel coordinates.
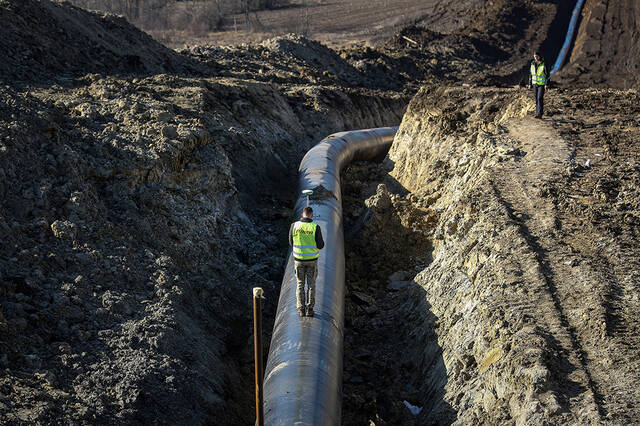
(303, 377)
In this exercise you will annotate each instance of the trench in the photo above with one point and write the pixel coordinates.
(552, 46)
(392, 360)
(570, 37)
(391, 354)
(377, 377)
(272, 212)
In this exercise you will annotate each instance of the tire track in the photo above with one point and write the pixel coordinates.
(536, 219)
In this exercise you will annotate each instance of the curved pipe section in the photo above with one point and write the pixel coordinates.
(569, 38)
(303, 377)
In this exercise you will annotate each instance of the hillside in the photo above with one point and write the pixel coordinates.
(333, 23)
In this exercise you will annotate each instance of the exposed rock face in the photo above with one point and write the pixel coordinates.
(524, 305)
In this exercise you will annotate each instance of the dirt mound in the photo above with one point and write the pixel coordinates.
(42, 39)
(296, 60)
(94, 302)
(313, 55)
(606, 51)
(495, 46)
(492, 48)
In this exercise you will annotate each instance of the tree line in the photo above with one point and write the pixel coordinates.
(195, 15)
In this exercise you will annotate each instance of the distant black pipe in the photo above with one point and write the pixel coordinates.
(303, 377)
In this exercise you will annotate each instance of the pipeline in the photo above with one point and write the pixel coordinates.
(567, 41)
(303, 377)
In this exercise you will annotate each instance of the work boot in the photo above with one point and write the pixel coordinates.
(309, 312)
(300, 312)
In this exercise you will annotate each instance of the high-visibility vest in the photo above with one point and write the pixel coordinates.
(538, 75)
(304, 241)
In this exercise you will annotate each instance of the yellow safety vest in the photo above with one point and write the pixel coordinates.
(538, 75)
(304, 241)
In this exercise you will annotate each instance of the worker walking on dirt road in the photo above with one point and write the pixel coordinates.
(306, 238)
(538, 79)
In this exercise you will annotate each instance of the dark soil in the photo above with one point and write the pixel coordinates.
(606, 52)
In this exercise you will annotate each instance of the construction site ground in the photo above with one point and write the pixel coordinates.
(492, 258)
(555, 183)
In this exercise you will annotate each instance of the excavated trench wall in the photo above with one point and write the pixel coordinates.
(131, 236)
(606, 51)
(496, 358)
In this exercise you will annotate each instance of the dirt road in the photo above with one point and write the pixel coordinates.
(592, 293)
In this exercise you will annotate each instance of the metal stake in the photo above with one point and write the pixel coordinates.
(257, 352)
(307, 192)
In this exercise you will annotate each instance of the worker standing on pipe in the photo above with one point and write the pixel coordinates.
(538, 79)
(306, 238)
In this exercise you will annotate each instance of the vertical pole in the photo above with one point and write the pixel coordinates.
(307, 192)
(257, 352)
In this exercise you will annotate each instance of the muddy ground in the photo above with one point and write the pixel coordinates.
(145, 191)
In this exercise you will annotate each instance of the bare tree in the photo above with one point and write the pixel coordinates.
(200, 15)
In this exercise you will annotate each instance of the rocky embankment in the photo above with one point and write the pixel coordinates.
(526, 310)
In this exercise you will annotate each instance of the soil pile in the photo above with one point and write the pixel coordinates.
(293, 59)
(606, 51)
(113, 236)
(494, 47)
(45, 39)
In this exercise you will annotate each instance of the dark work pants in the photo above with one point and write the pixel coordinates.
(306, 270)
(538, 94)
